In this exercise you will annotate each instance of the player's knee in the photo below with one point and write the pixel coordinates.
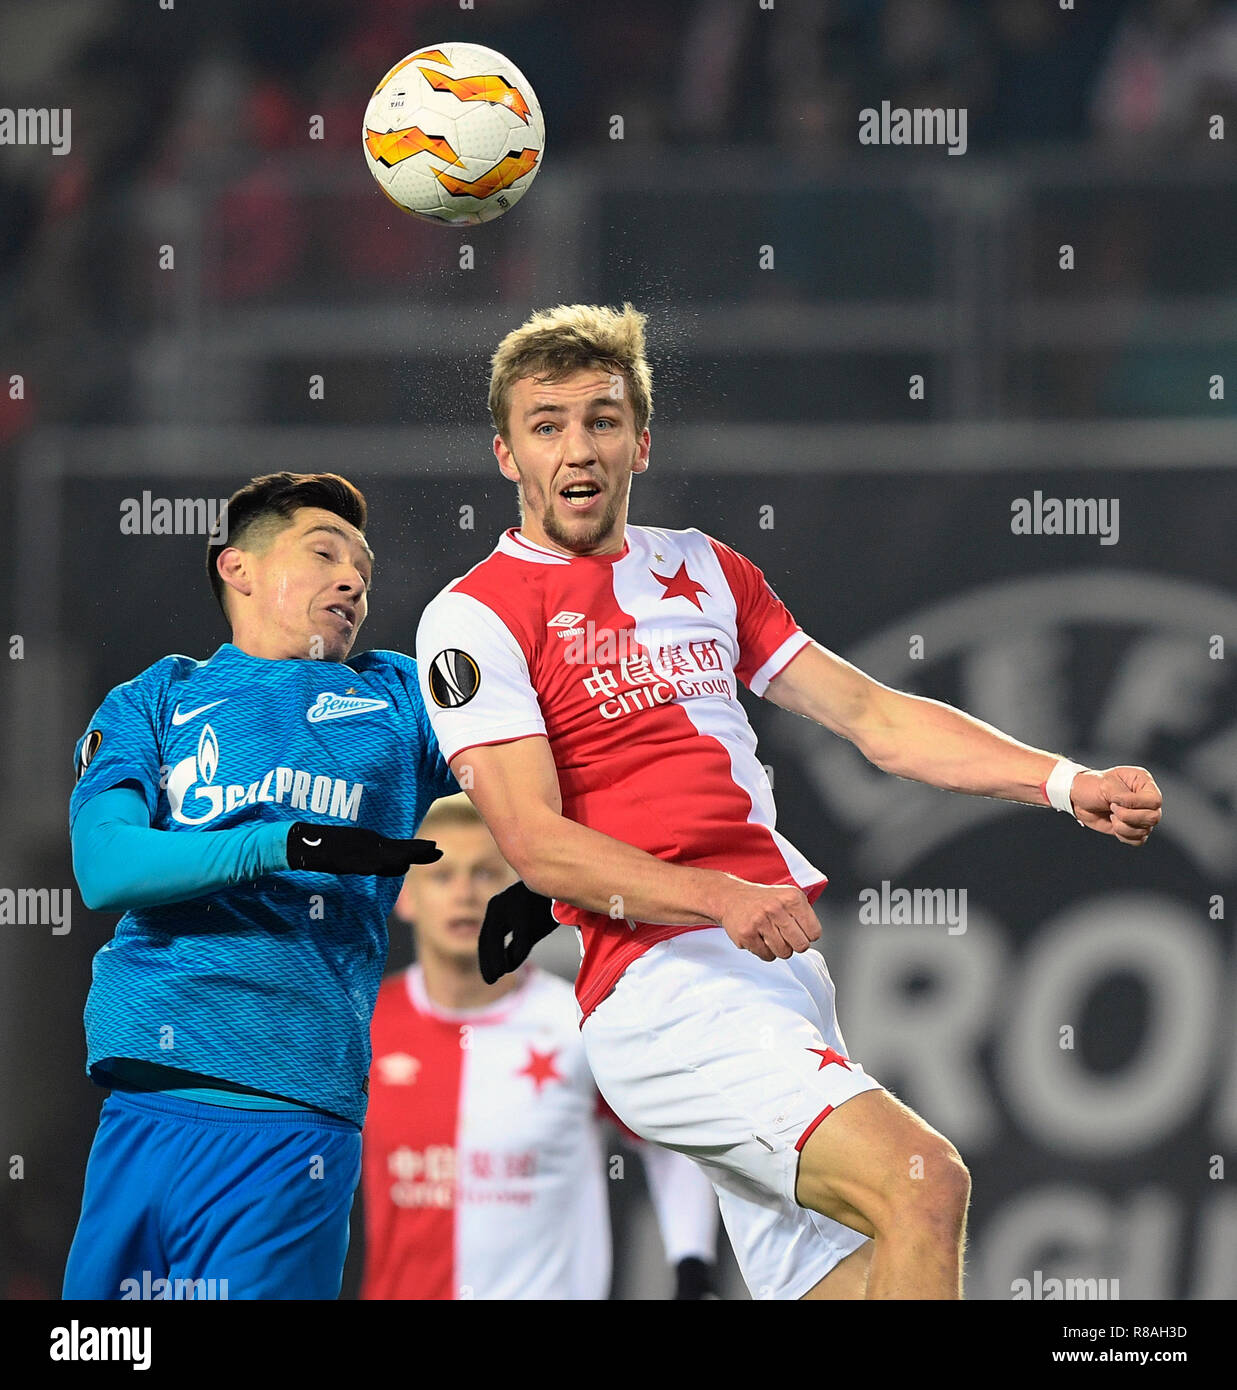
(939, 1190)
(922, 1193)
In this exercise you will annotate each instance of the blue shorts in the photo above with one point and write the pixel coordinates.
(186, 1200)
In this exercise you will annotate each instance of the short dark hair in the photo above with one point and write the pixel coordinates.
(279, 495)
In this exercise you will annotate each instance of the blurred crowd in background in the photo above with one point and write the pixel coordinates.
(162, 95)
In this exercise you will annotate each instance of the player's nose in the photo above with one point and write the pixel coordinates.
(579, 446)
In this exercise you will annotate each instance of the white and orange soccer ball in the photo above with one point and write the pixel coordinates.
(454, 133)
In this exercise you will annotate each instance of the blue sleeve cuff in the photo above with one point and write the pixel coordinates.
(121, 862)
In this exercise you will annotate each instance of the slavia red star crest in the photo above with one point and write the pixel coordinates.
(540, 1067)
(827, 1055)
(680, 585)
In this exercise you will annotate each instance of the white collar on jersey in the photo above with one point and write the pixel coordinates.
(513, 543)
(414, 978)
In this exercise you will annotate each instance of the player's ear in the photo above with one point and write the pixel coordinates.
(233, 568)
(506, 460)
(642, 452)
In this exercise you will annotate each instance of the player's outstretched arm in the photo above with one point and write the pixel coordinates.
(514, 786)
(122, 862)
(927, 741)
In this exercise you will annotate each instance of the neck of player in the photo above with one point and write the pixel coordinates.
(274, 644)
(454, 982)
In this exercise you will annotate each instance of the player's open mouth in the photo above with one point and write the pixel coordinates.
(348, 615)
(580, 496)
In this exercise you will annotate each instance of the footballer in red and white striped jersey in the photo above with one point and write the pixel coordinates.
(629, 664)
(483, 1171)
(592, 666)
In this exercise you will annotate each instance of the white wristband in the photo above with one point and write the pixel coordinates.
(1059, 782)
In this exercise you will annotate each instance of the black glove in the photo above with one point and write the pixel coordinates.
(522, 915)
(694, 1279)
(348, 849)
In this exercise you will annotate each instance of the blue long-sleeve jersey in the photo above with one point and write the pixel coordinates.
(268, 984)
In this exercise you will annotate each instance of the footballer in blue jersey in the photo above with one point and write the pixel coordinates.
(251, 815)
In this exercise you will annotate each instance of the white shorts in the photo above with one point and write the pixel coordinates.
(734, 1061)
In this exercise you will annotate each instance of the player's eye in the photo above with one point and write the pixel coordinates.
(544, 425)
(605, 420)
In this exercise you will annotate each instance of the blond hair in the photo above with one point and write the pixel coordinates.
(450, 810)
(556, 342)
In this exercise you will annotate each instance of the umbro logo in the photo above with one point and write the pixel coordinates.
(398, 1068)
(568, 622)
(178, 718)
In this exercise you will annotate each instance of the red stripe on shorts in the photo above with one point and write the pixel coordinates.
(807, 1133)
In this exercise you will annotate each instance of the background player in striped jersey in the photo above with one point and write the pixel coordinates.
(483, 1173)
(247, 814)
(585, 674)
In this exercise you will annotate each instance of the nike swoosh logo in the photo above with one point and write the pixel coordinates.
(179, 719)
(313, 844)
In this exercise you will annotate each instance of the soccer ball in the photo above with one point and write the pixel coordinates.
(454, 134)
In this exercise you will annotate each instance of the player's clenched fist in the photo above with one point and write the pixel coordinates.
(768, 920)
(1123, 801)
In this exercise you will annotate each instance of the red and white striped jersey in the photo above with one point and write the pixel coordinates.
(483, 1173)
(629, 665)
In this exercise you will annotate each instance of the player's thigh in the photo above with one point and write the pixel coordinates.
(848, 1279)
(708, 1050)
(117, 1235)
(873, 1161)
(785, 1251)
(261, 1211)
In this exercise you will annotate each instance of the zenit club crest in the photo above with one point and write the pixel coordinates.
(454, 678)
